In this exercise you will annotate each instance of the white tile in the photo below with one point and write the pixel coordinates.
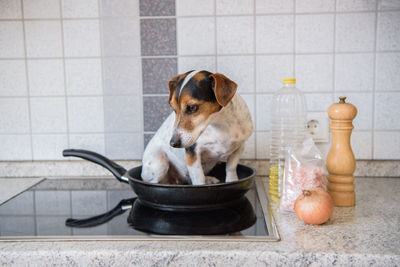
(11, 39)
(315, 6)
(124, 145)
(194, 7)
(274, 34)
(226, 7)
(235, 35)
(318, 102)
(250, 148)
(81, 38)
(80, 9)
(355, 5)
(250, 102)
(388, 31)
(388, 4)
(52, 202)
(386, 145)
(83, 76)
(49, 146)
(46, 77)
(119, 8)
(271, 70)
(41, 9)
(196, 36)
(123, 113)
(314, 33)
(15, 147)
(387, 110)
(201, 63)
(387, 72)
(43, 38)
(21, 204)
(361, 144)
(85, 203)
(355, 32)
(48, 115)
(239, 69)
(354, 72)
(263, 143)
(120, 36)
(10, 9)
(14, 115)
(92, 142)
(314, 73)
(273, 6)
(364, 105)
(52, 225)
(122, 76)
(12, 78)
(85, 114)
(263, 111)
(18, 226)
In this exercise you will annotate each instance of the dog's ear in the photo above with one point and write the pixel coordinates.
(172, 84)
(224, 88)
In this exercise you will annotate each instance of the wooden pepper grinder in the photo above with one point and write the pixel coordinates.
(340, 162)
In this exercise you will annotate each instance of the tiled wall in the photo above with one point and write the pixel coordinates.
(93, 74)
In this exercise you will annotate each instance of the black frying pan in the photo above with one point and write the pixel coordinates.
(177, 197)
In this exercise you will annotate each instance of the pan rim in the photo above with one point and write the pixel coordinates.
(135, 180)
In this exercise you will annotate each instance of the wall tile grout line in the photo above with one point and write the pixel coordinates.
(197, 16)
(374, 84)
(294, 38)
(207, 55)
(64, 74)
(334, 56)
(27, 80)
(99, 5)
(255, 155)
(215, 36)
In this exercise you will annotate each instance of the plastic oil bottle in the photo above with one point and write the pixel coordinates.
(288, 119)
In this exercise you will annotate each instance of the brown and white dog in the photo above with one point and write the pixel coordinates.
(210, 124)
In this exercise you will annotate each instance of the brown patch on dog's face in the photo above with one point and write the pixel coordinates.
(191, 113)
(193, 104)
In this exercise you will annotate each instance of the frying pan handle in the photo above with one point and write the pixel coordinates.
(117, 170)
(122, 206)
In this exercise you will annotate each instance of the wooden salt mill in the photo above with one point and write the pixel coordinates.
(340, 162)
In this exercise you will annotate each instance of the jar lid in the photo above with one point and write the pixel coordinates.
(289, 80)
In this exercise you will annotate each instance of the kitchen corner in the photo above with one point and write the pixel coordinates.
(367, 234)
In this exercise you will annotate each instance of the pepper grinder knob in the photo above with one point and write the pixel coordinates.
(341, 162)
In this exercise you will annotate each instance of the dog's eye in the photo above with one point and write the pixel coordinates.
(190, 109)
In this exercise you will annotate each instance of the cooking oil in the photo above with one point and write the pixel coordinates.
(288, 113)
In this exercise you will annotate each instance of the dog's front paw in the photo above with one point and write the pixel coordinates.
(212, 180)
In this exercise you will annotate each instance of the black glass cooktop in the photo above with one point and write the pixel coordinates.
(41, 213)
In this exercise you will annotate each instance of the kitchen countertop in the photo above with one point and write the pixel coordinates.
(368, 234)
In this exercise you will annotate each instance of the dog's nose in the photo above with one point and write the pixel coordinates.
(175, 141)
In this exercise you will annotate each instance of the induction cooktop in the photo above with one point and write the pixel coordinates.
(40, 213)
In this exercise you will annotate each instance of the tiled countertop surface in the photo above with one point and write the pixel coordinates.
(368, 234)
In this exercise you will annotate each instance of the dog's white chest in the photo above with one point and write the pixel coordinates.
(217, 143)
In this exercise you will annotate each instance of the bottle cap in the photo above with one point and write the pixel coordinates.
(289, 80)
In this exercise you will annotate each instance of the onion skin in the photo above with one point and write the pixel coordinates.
(314, 206)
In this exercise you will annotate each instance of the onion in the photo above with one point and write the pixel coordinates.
(314, 206)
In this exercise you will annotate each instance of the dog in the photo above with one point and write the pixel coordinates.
(210, 123)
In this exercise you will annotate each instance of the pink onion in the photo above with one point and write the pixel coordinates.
(314, 206)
